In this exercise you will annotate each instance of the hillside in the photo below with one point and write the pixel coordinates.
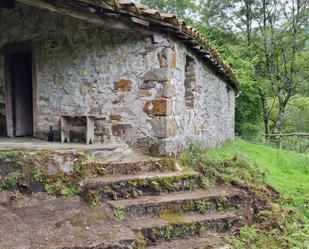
(287, 172)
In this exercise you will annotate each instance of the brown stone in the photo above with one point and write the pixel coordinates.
(122, 85)
(157, 107)
(121, 130)
(144, 93)
(114, 117)
(167, 58)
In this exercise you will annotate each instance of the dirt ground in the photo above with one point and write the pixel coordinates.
(42, 221)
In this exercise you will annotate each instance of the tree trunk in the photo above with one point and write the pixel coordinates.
(265, 114)
(281, 115)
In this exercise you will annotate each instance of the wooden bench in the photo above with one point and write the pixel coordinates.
(67, 125)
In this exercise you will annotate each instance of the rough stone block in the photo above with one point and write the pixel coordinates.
(144, 93)
(158, 107)
(164, 127)
(121, 130)
(122, 85)
(168, 89)
(114, 117)
(159, 74)
(167, 58)
(147, 85)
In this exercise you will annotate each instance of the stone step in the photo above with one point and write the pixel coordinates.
(123, 186)
(132, 164)
(206, 242)
(175, 226)
(210, 198)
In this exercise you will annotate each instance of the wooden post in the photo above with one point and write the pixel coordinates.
(90, 130)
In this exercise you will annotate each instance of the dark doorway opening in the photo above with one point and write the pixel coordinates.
(20, 68)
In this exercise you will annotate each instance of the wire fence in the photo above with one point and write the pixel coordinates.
(291, 141)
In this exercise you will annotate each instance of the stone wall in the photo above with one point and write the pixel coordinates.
(136, 86)
(82, 69)
(202, 106)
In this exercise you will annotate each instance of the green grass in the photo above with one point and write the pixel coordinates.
(283, 222)
(287, 171)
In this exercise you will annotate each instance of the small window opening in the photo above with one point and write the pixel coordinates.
(190, 81)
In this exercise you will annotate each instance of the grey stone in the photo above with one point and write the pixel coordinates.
(159, 74)
(164, 127)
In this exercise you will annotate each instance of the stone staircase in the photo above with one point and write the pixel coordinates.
(170, 207)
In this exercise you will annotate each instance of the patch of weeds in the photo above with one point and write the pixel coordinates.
(50, 188)
(205, 182)
(221, 203)
(100, 169)
(61, 186)
(13, 156)
(203, 205)
(93, 199)
(10, 180)
(106, 189)
(68, 191)
(136, 193)
(38, 175)
(120, 213)
(83, 171)
(168, 232)
(140, 242)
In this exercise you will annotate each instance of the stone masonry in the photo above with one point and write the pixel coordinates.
(148, 91)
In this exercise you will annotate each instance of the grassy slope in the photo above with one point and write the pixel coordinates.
(287, 171)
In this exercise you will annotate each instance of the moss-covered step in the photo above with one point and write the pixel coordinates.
(212, 241)
(116, 187)
(202, 200)
(175, 226)
(131, 165)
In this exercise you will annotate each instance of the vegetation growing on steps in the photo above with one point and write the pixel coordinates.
(178, 229)
(33, 168)
(136, 188)
(281, 221)
(120, 213)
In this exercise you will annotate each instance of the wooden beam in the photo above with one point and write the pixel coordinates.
(83, 15)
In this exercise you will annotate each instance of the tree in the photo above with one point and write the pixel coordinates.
(275, 32)
(236, 15)
(184, 9)
(282, 64)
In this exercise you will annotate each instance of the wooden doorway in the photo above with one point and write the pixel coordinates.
(19, 92)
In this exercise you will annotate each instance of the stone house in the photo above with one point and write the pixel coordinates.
(146, 78)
